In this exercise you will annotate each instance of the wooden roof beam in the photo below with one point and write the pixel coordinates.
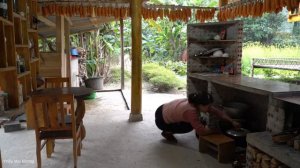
(46, 21)
(68, 19)
(78, 26)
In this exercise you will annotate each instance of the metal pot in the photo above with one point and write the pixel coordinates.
(237, 132)
(239, 136)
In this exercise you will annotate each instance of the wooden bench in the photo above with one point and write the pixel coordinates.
(275, 63)
(223, 145)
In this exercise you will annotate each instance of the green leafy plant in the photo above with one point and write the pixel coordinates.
(100, 50)
(161, 78)
(179, 67)
(164, 83)
(114, 75)
(150, 70)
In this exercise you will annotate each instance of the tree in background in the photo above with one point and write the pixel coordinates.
(164, 40)
(270, 29)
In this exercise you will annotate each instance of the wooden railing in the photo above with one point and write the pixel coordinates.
(275, 63)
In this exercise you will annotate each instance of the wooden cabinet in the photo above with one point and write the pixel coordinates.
(19, 54)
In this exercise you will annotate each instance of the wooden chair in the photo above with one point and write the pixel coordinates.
(57, 82)
(51, 124)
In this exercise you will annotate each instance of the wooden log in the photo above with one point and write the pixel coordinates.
(297, 144)
(259, 157)
(274, 162)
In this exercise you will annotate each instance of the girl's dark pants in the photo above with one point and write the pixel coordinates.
(177, 128)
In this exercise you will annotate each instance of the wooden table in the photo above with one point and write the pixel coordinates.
(79, 94)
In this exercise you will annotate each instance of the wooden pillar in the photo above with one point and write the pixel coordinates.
(60, 43)
(67, 48)
(122, 53)
(136, 70)
(81, 40)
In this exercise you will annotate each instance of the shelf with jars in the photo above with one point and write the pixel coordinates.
(19, 55)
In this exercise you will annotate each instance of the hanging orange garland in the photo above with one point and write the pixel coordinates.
(255, 8)
(174, 13)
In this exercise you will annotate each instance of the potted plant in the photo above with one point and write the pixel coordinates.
(98, 57)
(95, 70)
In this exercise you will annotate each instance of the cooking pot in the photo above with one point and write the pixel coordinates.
(237, 132)
(239, 135)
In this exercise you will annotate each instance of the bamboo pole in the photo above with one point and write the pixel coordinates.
(136, 82)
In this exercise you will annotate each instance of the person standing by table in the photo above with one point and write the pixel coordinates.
(183, 115)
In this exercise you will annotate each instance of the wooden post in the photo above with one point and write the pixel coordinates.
(136, 70)
(81, 40)
(60, 43)
(67, 48)
(122, 52)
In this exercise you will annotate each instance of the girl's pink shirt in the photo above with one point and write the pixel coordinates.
(181, 110)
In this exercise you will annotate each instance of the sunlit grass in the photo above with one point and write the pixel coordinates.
(256, 50)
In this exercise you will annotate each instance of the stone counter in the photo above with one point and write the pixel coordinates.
(255, 85)
(259, 94)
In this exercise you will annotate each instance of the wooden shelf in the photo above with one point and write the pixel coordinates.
(17, 33)
(6, 22)
(23, 74)
(22, 46)
(19, 16)
(10, 68)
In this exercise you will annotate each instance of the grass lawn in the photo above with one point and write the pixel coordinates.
(255, 50)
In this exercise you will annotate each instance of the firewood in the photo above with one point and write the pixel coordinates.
(256, 165)
(265, 164)
(285, 136)
(266, 158)
(274, 162)
(259, 157)
(253, 151)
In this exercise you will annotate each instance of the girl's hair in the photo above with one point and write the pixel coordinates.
(203, 98)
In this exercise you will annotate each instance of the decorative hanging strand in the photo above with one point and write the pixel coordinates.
(255, 8)
(117, 11)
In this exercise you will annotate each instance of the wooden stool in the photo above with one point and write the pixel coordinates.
(223, 145)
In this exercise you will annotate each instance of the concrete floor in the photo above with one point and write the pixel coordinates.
(112, 141)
